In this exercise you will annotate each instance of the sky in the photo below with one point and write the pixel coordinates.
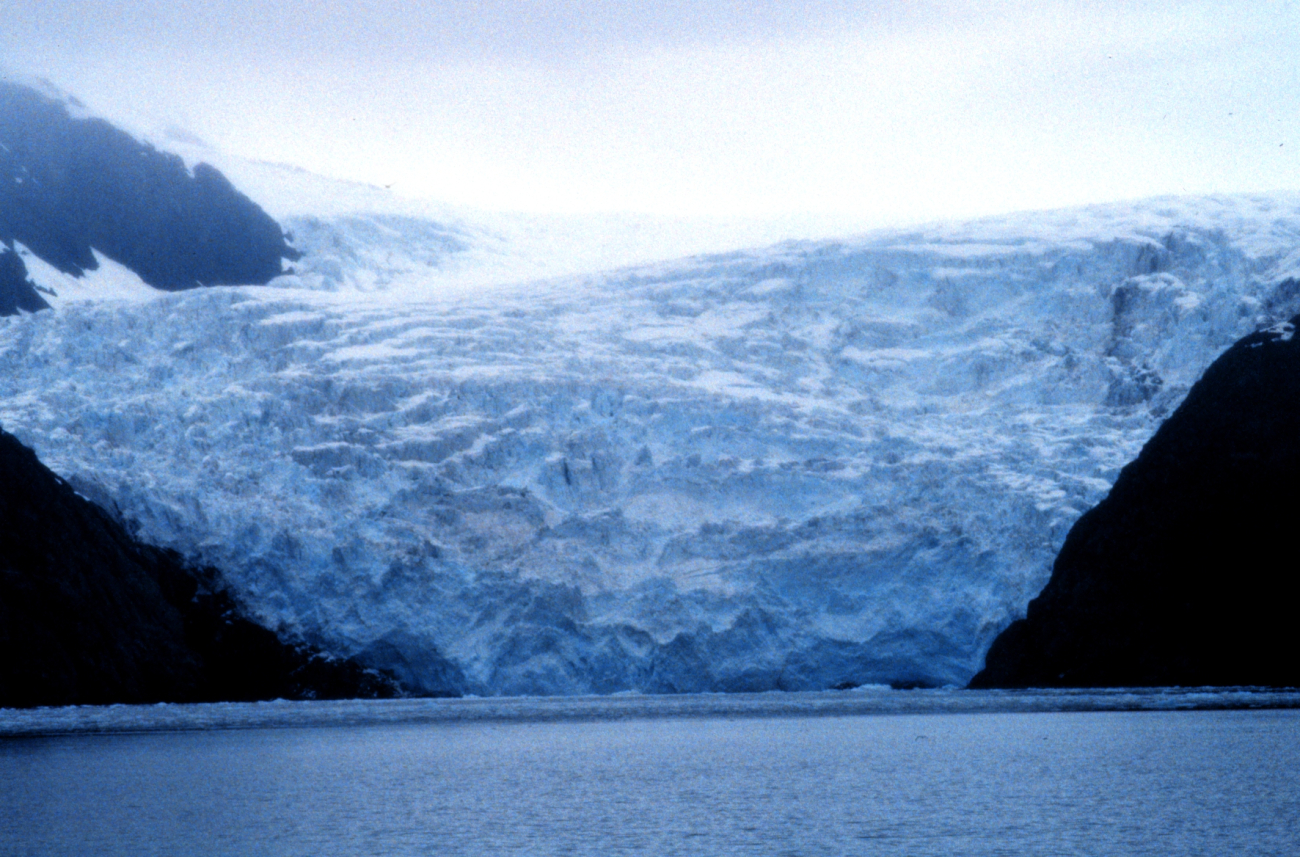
(879, 112)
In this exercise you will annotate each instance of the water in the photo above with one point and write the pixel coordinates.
(723, 777)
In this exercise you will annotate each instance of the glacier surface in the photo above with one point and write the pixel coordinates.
(813, 465)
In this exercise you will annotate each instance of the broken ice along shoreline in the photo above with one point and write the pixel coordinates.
(816, 464)
(867, 701)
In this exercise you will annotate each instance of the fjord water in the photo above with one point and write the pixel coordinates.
(1062, 782)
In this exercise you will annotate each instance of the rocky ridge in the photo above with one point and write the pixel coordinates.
(1183, 574)
(72, 184)
(89, 615)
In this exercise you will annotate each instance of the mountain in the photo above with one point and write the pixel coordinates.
(359, 237)
(1181, 575)
(472, 451)
(74, 190)
(89, 615)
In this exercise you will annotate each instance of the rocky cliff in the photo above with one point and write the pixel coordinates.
(89, 615)
(1185, 574)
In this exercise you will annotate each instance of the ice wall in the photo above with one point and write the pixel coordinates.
(806, 466)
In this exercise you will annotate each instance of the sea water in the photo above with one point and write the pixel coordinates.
(887, 772)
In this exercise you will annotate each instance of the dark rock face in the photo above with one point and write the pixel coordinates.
(70, 184)
(16, 291)
(1184, 574)
(90, 616)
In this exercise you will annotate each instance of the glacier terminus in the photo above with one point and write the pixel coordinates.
(819, 464)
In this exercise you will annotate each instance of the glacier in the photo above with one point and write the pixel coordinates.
(811, 465)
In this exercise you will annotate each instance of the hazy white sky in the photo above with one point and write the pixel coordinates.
(884, 112)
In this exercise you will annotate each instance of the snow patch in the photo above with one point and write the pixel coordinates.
(108, 281)
(1282, 331)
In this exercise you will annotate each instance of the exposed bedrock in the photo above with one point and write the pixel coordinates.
(17, 292)
(89, 615)
(1184, 574)
(72, 185)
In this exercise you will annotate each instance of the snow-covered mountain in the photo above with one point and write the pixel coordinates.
(75, 190)
(367, 238)
(805, 466)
